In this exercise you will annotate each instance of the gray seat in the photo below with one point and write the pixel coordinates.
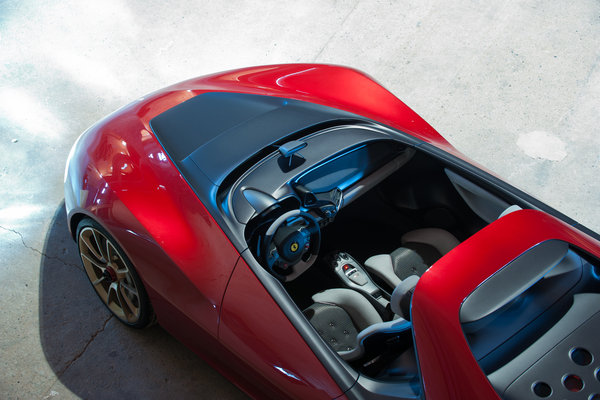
(344, 318)
(420, 249)
(338, 315)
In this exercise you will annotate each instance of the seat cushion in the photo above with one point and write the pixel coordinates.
(361, 312)
(334, 325)
(338, 315)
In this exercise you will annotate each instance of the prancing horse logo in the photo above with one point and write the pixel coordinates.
(294, 247)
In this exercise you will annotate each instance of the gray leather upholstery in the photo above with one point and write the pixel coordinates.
(355, 304)
(402, 295)
(334, 325)
(338, 315)
(408, 262)
(442, 240)
(420, 249)
(396, 325)
(382, 266)
(344, 318)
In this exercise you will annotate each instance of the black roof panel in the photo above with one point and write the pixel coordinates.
(217, 131)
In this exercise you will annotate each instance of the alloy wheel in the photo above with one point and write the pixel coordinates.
(109, 274)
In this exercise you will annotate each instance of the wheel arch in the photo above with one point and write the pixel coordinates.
(74, 221)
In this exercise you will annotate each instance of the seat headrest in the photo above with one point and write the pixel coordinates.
(509, 210)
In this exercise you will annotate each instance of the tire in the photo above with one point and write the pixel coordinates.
(113, 276)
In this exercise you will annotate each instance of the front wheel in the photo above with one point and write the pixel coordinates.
(112, 275)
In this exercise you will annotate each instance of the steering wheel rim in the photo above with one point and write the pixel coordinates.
(292, 268)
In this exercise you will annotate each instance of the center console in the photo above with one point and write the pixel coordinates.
(354, 276)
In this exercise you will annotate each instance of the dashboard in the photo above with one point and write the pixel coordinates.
(284, 199)
(340, 157)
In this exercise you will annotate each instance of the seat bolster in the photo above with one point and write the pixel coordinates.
(442, 240)
(382, 266)
(396, 325)
(399, 296)
(355, 304)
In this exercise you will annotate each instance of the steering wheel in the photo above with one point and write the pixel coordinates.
(291, 244)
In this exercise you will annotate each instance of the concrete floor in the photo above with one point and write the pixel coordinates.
(514, 85)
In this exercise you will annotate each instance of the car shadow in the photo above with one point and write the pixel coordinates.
(95, 356)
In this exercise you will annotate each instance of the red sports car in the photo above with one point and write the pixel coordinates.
(312, 237)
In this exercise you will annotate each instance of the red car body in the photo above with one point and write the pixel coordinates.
(206, 295)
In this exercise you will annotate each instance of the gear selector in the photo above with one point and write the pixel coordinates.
(355, 277)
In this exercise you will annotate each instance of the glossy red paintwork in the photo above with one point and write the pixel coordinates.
(119, 175)
(133, 190)
(448, 368)
(286, 361)
(334, 86)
